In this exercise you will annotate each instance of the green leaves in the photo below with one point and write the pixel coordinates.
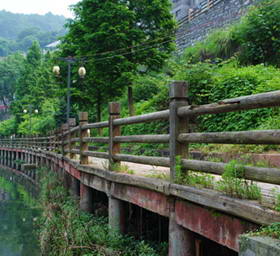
(260, 34)
(117, 36)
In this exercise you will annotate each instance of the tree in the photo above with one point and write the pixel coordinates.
(118, 36)
(36, 89)
(259, 35)
(10, 69)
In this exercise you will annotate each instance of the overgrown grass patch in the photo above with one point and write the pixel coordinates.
(67, 231)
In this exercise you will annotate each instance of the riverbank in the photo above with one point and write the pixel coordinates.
(66, 230)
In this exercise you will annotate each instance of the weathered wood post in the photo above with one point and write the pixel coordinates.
(116, 206)
(181, 240)
(114, 147)
(63, 144)
(86, 193)
(71, 135)
(177, 125)
(75, 183)
(83, 120)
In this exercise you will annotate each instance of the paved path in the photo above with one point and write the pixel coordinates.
(268, 191)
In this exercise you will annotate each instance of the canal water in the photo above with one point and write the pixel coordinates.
(18, 216)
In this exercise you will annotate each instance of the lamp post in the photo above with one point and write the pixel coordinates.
(82, 72)
(29, 110)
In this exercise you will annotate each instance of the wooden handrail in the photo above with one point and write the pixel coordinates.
(75, 140)
(244, 137)
(262, 100)
(267, 175)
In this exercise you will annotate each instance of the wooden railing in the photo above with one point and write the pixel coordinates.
(72, 140)
(203, 7)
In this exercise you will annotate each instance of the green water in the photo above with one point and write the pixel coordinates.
(18, 219)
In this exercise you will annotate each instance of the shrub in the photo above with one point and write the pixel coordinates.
(259, 34)
(8, 127)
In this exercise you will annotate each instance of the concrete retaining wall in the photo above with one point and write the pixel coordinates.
(259, 246)
(224, 13)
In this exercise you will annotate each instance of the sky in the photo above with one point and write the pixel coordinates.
(60, 7)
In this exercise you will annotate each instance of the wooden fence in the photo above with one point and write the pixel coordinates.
(203, 7)
(72, 140)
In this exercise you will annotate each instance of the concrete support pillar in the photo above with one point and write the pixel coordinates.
(75, 187)
(116, 215)
(181, 240)
(86, 198)
(43, 161)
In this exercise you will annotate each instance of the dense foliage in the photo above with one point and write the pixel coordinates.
(34, 89)
(118, 38)
(66, 230)
(214, 68)
(18, 31)
(254, 40)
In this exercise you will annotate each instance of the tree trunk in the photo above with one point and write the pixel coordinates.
(130, 101)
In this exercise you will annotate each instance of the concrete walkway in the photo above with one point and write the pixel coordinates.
(268, 191)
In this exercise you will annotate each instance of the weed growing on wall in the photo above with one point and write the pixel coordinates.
(272, 230)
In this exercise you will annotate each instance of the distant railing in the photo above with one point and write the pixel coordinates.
(198, 10)
(72, 140)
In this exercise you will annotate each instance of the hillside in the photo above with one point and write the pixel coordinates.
(17, 31)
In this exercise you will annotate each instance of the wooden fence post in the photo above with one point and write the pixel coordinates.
(71, 135)
(64, 128)
(83, 120)
(114, 147)
(177, 125)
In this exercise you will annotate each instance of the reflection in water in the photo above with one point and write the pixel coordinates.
(18, 216)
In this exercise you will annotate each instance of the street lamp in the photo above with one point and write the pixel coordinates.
(29, 110)
(82, 72)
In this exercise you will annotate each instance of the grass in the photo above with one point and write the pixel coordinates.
(157, 175)
(117, 167)
(272, 230)
(67, 231)
(232, 183)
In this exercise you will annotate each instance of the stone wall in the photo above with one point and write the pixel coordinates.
(225, 12)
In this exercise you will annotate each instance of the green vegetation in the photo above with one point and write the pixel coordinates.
(214, 68)
(120, 39)
(18, 31)
(234, 184)
(272, 230)
(65, 230)
(35, 89)
(186, 177)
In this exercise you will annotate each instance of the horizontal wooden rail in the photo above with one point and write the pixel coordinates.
(74, 151)
(96, 125)
(204, 6)
(148, 160)
(142, 139)
(96, 154)
(245, 137)
(155, 116)
(267, 175)
(96, 139)
(262, 100)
